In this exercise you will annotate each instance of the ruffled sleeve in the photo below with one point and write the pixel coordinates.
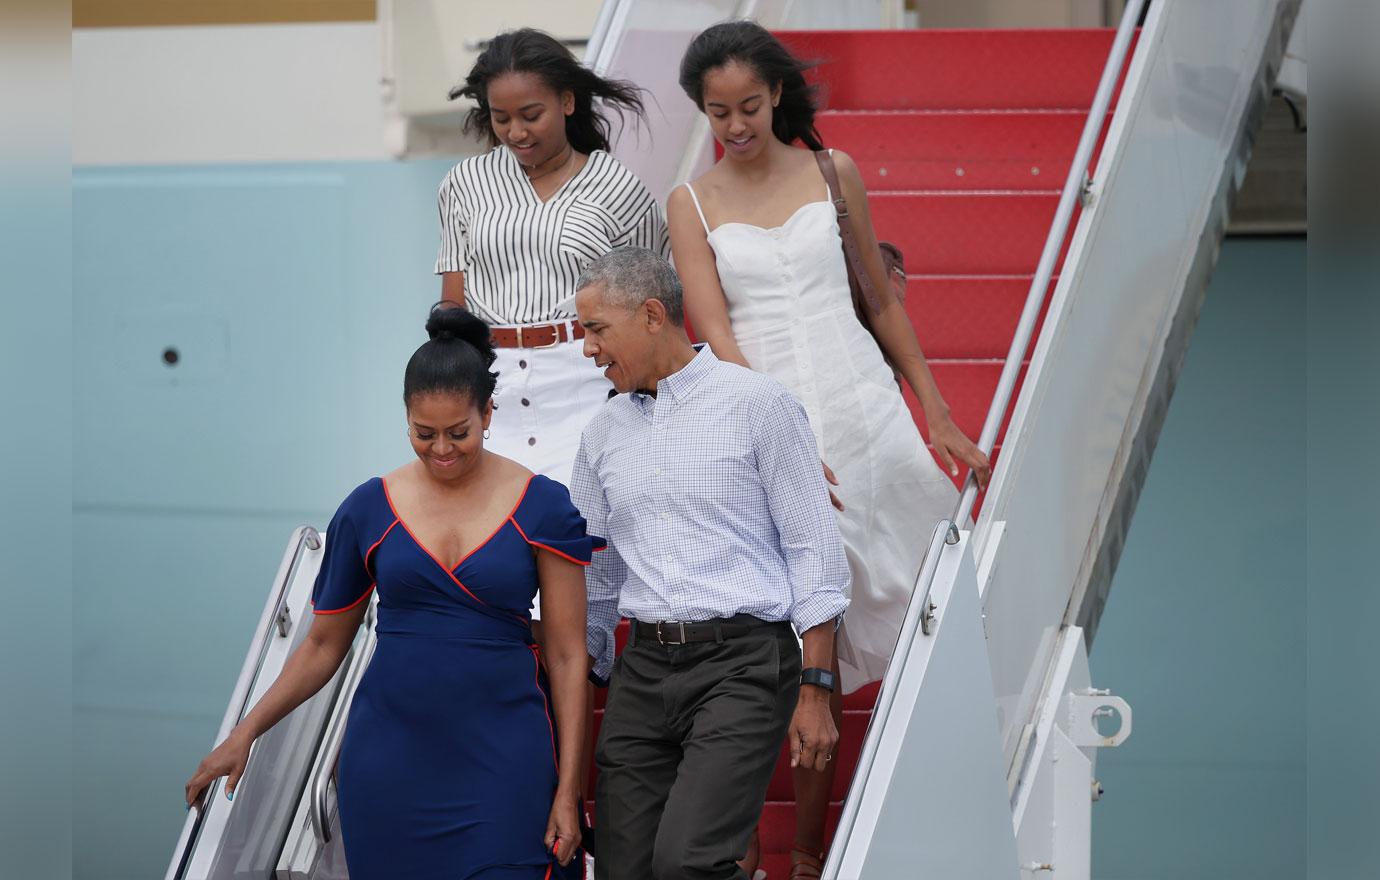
(549, 521)
(344, 579)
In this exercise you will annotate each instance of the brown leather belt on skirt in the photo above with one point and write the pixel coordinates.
(536, 335)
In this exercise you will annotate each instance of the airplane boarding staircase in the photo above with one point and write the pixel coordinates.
(1060, 197)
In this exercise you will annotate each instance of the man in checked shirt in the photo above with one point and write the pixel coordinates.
(705, 479)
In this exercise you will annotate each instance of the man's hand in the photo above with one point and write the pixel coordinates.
(812, 732)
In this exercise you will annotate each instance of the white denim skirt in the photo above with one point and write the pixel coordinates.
(544, 399)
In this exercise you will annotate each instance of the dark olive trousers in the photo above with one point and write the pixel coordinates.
(690, 737)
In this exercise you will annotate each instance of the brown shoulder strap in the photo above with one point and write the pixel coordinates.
(862, 281)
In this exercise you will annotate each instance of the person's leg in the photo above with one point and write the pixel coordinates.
(637, 756)
(734, 708)
(812, 790)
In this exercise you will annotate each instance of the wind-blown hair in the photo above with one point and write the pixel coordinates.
(528, 50)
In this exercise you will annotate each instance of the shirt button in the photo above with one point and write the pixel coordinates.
(531, 441)
(661, 515)
(657, 471)
(522, 365)
(526, 402)
(669, 557)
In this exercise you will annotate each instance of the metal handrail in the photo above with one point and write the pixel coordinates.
(303, 538)
(318, 799)
(920, 610)
(1074, 186)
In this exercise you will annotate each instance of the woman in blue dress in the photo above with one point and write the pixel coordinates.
(462, 748)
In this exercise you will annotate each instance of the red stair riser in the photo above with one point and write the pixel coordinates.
(955, 69)
(966, 317)
(965, 233)
(957, 151)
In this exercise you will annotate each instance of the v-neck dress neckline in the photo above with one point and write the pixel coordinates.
(522, 496)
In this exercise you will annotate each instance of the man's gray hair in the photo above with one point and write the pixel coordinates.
(632, 275)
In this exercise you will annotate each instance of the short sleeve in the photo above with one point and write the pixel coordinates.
(344, 580)
(549, 520)
(454, 229)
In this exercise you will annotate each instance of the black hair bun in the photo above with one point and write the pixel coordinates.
(448, 321)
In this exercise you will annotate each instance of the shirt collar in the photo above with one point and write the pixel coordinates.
(677, 386)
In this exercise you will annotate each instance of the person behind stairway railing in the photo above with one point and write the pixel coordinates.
(756, 242)
(705, 480)
(462, 750)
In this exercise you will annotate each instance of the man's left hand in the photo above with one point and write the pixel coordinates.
(813, 735)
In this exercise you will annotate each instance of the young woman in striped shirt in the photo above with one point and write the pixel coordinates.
(520, 222)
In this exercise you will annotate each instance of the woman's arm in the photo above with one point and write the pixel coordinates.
(705, 304)
(897, 338)
(453, 288)
(308, 669)
(567, 668)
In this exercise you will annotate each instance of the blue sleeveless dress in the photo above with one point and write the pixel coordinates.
(448, 766)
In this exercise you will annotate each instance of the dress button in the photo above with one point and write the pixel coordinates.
(526, 402)
(531, 441)
(522, 365)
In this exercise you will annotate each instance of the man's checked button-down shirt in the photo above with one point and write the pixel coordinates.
(713, 502)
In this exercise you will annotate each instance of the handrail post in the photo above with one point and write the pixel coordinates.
(303, 538)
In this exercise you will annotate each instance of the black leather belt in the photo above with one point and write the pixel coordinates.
(675, 632)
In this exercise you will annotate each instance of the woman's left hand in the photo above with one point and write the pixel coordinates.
(563, 828)
(951, 443)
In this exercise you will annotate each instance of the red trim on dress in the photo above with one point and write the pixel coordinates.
(449, 573)
(521, 498)
(546, 547)
(372, 547)
(546, 705)
(353, 604)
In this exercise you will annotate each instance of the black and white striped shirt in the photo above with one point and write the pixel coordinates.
(522, 256)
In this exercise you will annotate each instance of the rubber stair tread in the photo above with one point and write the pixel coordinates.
(950, 69)
(907, 150)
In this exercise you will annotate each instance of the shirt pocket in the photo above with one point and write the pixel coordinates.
(586, 233)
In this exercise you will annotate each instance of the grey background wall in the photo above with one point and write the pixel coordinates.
(1204, 629)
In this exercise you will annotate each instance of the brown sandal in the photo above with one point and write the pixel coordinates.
(806, 865)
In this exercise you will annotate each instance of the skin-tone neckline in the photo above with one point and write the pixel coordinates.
(572, 175)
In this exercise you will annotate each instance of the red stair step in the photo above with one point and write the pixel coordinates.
(782, 787)
(965, 233)
(967, 316)
(778, 828)
(955, 69)
(968, 388)
(957, 151)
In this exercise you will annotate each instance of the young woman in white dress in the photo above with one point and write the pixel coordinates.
(756, 242)
(521, 221)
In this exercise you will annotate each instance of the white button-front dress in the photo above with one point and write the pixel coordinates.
(792, 315)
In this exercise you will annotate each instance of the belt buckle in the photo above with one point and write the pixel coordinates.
(661, 637)
(555, 337)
